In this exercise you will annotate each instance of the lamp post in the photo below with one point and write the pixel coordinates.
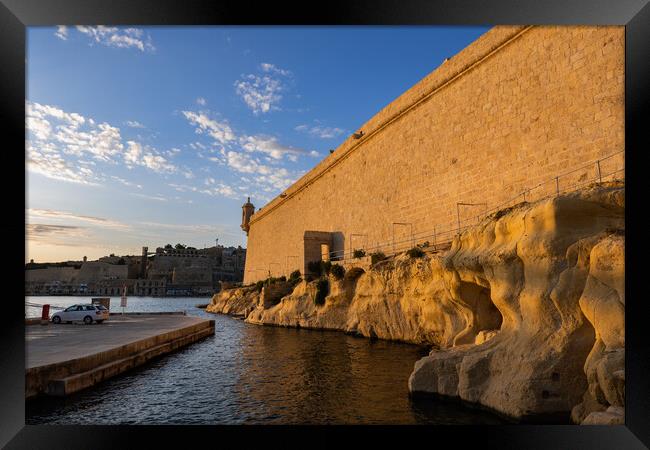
(276, 263)
(263, 271)
(434, 238)
(459, 204)
(358, 235)
(251, 270)
(287, 262)
(402, 223)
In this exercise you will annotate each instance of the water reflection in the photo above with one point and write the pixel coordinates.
(263, 375)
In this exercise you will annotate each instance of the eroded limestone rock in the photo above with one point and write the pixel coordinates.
(603, 304)
(236, 302)
(546, 265)
(525, 311)
(614, 415)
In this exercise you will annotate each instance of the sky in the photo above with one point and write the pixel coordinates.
(144, 136)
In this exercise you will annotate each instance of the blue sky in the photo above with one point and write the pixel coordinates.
(153, 135)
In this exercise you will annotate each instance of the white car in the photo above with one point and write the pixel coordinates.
(86, 313)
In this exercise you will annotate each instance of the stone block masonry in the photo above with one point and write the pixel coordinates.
(518, 106)
(63, 359)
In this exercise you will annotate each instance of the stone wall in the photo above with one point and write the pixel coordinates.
(93, 271)
(90, 272)
(62, 274)
(517, 107)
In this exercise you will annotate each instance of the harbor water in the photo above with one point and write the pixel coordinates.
(251, 374)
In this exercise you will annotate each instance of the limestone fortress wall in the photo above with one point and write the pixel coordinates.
(517, 107)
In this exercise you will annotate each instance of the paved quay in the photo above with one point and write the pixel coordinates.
(65, 358)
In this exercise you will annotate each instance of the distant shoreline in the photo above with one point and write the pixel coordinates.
(117, 296)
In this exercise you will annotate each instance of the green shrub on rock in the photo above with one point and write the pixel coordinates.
(314, 267)
(359, 253)
(259, 285)
(294, 275)
(322, 289)
(415, 252)
(337, 271)
(376, 257)
(294, 278)
(319, 268)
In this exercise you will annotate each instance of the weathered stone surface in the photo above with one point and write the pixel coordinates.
(540, 263)
(547, 100)
(484, 336)
(615, 415)
(236, 302)
(402, 301)
(603, 304)
(525, 311)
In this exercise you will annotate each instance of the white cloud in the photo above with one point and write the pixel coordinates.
(55, 131)
(132, 154)
(40, 127)
(118, 37)
(41, 111)
(320, 131)
(242, 163)
(137, 154)
(50, 164)
(262, 93)
(226, 139)
(102, 142)
(134, 124)
(210, 187)
(157, 163)
(45, 233)
(158, 198)
(187, 173)
(126, 182)
(56, 215)
(59, 144)
(201, 101)
(188, 228)
(270, 146)
(259, 155)
(266, 67)
(62, 32)
(266, 176)
(218, 189)
(172, 152)
(220, 131)
(182, 187)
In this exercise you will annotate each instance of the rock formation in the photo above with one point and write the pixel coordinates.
(236, 302)
(525, 311)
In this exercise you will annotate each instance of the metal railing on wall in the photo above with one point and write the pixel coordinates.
(443, 234)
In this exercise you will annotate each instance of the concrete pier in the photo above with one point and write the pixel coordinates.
(66, 358)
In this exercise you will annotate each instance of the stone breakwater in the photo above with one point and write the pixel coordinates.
(525, 312)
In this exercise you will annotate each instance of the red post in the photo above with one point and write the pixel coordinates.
(45, 315)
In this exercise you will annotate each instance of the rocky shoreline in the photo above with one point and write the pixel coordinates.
(525, 312)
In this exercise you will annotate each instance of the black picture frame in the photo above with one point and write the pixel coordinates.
(16, 15)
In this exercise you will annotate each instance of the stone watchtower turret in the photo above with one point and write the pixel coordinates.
(247, 211)
(143, 262)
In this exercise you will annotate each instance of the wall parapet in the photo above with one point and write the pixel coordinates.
(485, 46)
(501, 122)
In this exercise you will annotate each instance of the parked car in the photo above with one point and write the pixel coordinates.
(86, 313)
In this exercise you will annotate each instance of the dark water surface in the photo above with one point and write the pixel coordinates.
(251, 374)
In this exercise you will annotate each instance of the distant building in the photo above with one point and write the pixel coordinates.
(198, 267)
(168, 271)
(151, 288)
